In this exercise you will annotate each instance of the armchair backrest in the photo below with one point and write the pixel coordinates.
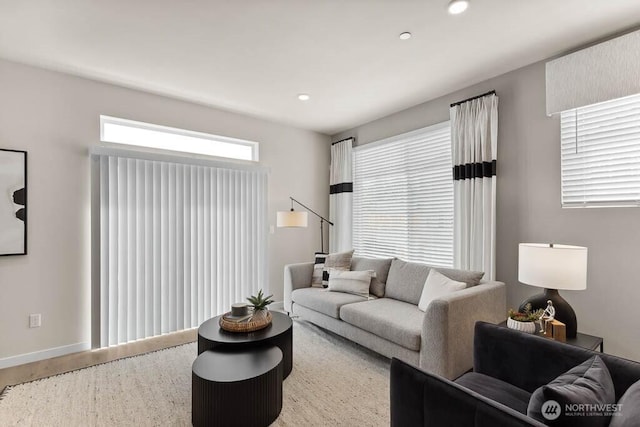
(528, 361)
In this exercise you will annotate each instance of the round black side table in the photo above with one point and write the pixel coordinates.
(278, 333)
(236, 388)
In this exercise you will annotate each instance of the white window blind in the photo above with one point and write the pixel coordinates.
(179, 243)
(600, 146)
(403, 197)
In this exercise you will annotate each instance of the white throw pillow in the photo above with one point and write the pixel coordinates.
(436, 286)
(336, 261)
(351, 282)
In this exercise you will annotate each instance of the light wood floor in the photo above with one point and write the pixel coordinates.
(71, 362)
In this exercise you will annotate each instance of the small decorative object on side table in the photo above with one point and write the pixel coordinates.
(240, 320)
(590, 342)
(556, 330)
(524, 321)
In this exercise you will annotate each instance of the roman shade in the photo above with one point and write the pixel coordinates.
(608, 70)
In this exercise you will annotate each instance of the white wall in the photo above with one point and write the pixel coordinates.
(55, 117)
(528, 206)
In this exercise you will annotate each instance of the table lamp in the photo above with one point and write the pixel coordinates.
(553, 267)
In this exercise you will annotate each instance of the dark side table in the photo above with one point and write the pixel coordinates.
(236, 388)
(590, 342)
(279, 333)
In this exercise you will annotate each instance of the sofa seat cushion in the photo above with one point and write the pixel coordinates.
(495, 389)
(396, 321)
(323, 301)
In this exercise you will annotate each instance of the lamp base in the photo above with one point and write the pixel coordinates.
(564, 312)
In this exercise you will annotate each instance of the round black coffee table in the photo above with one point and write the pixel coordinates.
(236, 388)
(278, 333)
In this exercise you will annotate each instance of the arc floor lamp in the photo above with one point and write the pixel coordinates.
(293, 218)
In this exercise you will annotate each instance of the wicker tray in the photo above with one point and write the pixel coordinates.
(254, 324)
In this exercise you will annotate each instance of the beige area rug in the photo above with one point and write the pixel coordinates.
(333, 383)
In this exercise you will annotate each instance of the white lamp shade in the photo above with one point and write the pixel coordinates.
(291, 219)
(553, 267)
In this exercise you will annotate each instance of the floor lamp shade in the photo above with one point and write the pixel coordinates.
(292, 219)
(553, 267)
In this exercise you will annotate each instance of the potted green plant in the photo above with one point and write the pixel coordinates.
(260, 304)
(524, 321)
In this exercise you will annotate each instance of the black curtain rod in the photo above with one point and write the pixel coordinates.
(342, 140)
(492, 92)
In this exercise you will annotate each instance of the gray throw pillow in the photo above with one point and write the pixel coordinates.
(629, 415)
(588, 383)
(336, 261)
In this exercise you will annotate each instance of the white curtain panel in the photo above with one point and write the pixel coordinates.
(179, 244)
(474, 138)
(341, 196)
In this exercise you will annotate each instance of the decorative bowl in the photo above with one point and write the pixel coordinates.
(259, 320)
(528, 327)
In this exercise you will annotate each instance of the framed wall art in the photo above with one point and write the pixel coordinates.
(13, 202)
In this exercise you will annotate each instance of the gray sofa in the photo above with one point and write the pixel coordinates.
(439, 340)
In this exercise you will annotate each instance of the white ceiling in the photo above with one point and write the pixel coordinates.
(255, 56)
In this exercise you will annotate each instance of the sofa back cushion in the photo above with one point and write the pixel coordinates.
(471, 278)
(380, 266)
(406, 279)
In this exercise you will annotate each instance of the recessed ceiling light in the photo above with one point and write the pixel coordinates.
(405, 36)
(304, 97)
(458, 6)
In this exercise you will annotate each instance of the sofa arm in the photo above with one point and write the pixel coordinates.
(420, 398)
(296, 276)
(448, 327)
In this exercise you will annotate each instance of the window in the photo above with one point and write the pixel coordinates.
(600, 146)
(123, 131)
(180, 238)
(403, 197)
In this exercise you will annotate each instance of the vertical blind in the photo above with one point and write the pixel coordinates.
(600, 146)
(403, 197)
(179, 243)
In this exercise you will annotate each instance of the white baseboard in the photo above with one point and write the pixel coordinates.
(21, 359)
